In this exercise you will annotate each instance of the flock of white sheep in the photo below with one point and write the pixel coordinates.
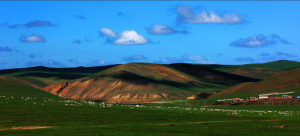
(228, 112)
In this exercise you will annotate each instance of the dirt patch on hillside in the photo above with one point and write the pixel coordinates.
(26, 127)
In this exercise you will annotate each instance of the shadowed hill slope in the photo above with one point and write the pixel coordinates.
(283, 82)
(43, 76)
(210, 75)
(142, 82)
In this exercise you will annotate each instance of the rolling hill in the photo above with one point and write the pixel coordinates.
(260, 71)
(287, 81)
(142, 82)
(40, 77)
(12, 88)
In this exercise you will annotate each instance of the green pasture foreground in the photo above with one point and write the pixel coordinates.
(69, 117)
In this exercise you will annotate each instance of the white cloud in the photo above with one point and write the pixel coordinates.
(98, 63)
(187, 15)
(126, 37)
(32, 38)
(130, 37)
(107, 32)
(259, 41)
(160, 29)
(197, 59)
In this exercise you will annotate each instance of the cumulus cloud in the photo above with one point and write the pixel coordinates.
(135, 58)
(2, 62)
(80, 17)
(6, 48)
(107, 32)
(31, 55)
(258, 41)
(163, 29)
(130, 37)
(32, 38)
(186, 58)
(49, 63)
(186, 14)
(124, 38)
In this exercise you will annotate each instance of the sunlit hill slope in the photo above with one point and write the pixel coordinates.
(142, 82)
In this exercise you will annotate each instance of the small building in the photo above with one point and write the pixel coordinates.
(253, 98)
(236, 99)
(285, 96)
(263, 96)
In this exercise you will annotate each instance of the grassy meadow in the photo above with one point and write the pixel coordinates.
(21, 110)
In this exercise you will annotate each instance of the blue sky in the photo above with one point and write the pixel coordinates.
(96, 33)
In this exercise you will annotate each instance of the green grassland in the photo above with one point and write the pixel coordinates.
(25, 106)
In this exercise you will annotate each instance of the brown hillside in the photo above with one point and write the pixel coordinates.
(284, 81)
(137, 82)
(233, 89)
